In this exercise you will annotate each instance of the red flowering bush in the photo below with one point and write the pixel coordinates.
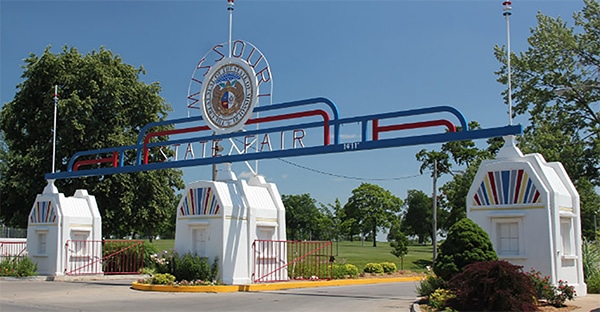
(555, 295)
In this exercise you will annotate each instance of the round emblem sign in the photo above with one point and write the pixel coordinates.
(229, 93)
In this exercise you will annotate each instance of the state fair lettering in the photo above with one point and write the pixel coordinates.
(249, 144)
(240, 50)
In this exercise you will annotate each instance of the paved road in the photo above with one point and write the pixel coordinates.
(116, 295)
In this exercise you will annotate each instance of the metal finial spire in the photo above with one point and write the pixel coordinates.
(507, 11)
(230, 9)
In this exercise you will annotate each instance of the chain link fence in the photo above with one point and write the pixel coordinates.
(8, 232)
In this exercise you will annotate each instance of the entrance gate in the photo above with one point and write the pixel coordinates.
(318, 117)
(118, 257)
(276, 261)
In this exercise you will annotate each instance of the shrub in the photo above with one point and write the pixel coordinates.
(593, 285)
(388, 267)
(26, 267)
(309, 270)
(373, 268)
(492, 286)
(342, 271)
(562, 293)
(466, 243)
(214, 270)
(542, 285)
(439, 298)
(191, 267)
(149, 250)
(554, 295)
(429, 285)
(339, 271)
(591, 261)
(162, 262)
(162, 279)
(352, 270)
(18, 267)
(125, 256)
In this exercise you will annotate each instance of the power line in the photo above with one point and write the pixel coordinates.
(341, 175)
(345, 176)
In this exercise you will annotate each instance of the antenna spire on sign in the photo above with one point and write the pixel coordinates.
(230, 9)
(506, 11)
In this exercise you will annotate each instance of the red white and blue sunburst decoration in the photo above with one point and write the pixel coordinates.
(198, 202)
(507, 187)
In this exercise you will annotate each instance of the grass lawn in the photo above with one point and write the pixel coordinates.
(164, 244)
(356, 253)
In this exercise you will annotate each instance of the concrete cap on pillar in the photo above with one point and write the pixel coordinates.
(226, 174)
(510, 149)
(50, 188)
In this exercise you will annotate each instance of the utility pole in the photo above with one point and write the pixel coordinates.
(434, 236)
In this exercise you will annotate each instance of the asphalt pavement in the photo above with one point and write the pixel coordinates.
(19, 295)
(116, 294)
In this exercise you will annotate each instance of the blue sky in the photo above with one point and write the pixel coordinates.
(367, 56)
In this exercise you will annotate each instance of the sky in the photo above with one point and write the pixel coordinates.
(368, 57)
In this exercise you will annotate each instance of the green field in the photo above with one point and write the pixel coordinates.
(416, 260)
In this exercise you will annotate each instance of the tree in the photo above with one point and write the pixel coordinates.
(340, 224)
(301, 217)
(466, 243)
(417, 218)
(399, 243)
(557, 83)
(102, 104)
(373, 208)
(454, 197)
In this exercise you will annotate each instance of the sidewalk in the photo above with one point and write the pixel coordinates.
(591, 302)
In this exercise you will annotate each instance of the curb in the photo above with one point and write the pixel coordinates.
(74, 278)
(271, 286)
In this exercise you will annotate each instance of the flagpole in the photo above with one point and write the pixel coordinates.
(507, 12)
(54, 129)
(230, 9)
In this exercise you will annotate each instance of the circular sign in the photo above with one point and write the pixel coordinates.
(229, 94)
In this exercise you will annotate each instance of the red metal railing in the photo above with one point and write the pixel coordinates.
(276, 261)
(104, 257)
(11, 249)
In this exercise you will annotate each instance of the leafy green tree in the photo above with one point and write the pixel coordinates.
(431, 159)
(557, 83)
(301, 217)
(373, 208)
(454, 197)
(590, 208)
(399, 243)
(340, 225)
(417, 218)
(102, 104)
(466, 243)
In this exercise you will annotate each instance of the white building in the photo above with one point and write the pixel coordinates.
(530, 209)
(61, 230)
(224, 218)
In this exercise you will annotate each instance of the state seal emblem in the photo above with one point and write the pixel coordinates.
(229, 94)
